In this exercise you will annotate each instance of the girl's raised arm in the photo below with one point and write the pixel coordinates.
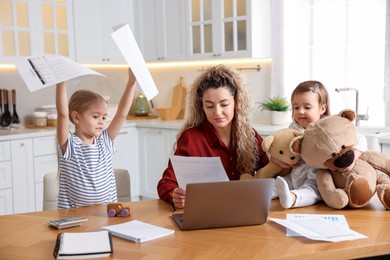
(123, 107)
(62, 115)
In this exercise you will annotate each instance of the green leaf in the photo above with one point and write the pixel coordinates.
(275, 104)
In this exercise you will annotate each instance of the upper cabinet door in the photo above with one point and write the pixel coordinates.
(93, 22)
(160, 29)
(228, 29)
(30, 27)
(57, 27)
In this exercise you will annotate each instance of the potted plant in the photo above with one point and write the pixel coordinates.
(278, 107)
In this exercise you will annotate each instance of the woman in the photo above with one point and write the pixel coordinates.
(218, 123)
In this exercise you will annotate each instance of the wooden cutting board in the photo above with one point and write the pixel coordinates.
(179, 97)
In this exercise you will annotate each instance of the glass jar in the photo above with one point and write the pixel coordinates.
(52, 119)
(40, 118)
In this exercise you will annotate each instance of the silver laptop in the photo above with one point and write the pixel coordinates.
(225, 204)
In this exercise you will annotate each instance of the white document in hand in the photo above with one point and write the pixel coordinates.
(189, 169)
(124, 39)
(46, 70)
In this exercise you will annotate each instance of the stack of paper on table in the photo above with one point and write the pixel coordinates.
(138, 231)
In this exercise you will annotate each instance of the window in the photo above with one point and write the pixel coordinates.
(338, 42)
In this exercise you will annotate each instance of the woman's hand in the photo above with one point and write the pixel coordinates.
(178, 198)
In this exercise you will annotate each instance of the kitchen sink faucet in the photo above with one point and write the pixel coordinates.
(358, 116)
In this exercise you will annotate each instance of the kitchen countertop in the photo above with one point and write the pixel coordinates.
(22, 132)
(385, 139)
(263, 129)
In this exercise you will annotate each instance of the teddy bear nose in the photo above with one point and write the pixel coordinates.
(345, 160)
(292, 158)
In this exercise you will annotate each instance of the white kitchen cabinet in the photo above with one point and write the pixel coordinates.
(30, 27)
(22, 164)
(45, 161)
(42, 165)
(160, 29)
(155, 148)
(5, 175)
(6, 203)
(228, 29)
(5, 154)
(126, 157)
(386, 149)
(93, 22)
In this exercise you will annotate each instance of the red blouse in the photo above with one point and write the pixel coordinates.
(202, 141)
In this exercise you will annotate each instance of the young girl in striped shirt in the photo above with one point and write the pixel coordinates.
(86, 174)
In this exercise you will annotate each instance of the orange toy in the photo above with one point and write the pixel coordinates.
(117, 209)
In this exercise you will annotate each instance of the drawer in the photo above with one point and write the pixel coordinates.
(5, 152)
(45, 145)
(6, 202)
(5, 175)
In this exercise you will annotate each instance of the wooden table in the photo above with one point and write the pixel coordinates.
(27, 236)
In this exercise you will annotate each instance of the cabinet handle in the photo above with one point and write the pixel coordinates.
(154, 132)
(122, 133)
(103, 59)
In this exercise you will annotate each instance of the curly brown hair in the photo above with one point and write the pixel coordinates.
(242, 131)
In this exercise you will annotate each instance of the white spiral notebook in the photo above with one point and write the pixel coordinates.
(138, 231)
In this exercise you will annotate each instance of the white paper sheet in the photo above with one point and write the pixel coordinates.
(190, 169)
(124, 39)
(334, 218)
(319, 229)
(46, 70)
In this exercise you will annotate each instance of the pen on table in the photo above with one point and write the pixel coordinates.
(173, 206)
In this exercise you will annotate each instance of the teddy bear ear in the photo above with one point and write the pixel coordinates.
(266, 144)
(348, 114)
(297, 133)
(296, 145)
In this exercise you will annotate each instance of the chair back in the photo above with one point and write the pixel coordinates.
(50, 191)
(122, 178)
(50, 188)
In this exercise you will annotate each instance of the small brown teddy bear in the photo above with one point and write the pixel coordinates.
(328, 145)
(278, 145)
